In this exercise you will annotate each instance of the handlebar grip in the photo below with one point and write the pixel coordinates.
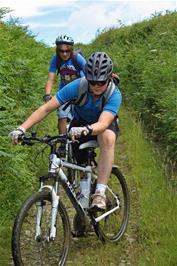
(20, 138)
(25, 140)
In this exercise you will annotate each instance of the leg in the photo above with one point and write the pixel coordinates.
(62, 118)
(62, 123)
(114, 225)
(106, 142)
(62, 126)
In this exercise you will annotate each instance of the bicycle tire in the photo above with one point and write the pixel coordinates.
(113, 227)
(25, 249)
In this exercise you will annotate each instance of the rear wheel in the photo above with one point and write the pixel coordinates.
(113, 226)
(28, 251)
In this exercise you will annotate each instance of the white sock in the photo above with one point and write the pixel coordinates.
(101, 187)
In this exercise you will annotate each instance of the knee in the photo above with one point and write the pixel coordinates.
(107, 141)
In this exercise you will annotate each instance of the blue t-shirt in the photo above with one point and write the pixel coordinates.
(68, 72)
(90, 111)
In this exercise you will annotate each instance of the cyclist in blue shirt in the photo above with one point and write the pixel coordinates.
(69, 65)
(88, 118)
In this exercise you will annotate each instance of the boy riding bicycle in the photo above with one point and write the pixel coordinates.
(89, 120)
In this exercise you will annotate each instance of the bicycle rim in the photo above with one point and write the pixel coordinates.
(113, 227)
(25, 249)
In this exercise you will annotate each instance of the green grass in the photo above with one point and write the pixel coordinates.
(145, 56)
(148, 83)
(5, 245)
(152, 231)
(157, 202)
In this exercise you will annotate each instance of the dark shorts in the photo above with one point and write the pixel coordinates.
(82, 155)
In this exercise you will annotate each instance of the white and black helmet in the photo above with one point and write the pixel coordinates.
(99, 67)
(64, 39)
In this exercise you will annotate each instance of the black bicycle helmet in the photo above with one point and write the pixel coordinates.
(99, 67)
(64, 39)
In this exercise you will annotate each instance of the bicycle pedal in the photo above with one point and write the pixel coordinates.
(95, 208)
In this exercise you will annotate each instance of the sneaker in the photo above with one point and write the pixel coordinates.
(99, 201)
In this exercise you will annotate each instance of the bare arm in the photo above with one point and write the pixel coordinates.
(41, 113)
(104, 121)
(49, 83)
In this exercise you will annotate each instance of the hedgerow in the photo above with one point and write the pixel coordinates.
(145, 55)
(23, 71)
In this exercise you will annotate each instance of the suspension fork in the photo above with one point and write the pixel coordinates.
(54, 210)
(39, 205)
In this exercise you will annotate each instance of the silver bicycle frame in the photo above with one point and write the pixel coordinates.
(56, 165)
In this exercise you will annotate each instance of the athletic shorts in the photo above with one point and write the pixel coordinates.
(82, 155)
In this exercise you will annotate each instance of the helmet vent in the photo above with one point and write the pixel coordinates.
(99, 67)
(96, 72)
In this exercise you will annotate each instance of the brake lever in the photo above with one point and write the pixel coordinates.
(25, 141)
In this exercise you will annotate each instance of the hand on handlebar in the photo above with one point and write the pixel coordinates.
(77, 132)
(16, 135)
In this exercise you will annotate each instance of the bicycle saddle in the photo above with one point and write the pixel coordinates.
(89, 144)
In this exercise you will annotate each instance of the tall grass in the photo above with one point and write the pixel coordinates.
(145, 56)
(156, 214)
(23, 70)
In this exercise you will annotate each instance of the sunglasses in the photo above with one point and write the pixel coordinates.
(65, 51)
(97, 83)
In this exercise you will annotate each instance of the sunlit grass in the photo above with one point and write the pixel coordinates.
(157, 212)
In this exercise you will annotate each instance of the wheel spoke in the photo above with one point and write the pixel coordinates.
(113, 226)
(44, 252)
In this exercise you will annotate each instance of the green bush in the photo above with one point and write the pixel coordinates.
(23, 71)
(145, 56)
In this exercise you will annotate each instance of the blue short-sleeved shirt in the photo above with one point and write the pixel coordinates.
(68, 72)
(90, 111)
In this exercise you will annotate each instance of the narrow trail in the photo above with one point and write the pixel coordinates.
(90, 251)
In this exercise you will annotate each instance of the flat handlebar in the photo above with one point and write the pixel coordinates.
(49, 140)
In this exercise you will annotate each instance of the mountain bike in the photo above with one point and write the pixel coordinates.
(42, 231)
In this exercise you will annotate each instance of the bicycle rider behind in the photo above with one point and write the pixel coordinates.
(69, 65)
(88, 118)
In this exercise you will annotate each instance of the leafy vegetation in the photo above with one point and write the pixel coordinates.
(145, 56)
(23, 70)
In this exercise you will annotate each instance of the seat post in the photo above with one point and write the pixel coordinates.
(90, 155)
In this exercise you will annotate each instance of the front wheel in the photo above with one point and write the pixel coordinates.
(28, 251)
(113, 226)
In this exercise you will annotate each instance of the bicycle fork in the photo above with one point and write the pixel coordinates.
(54, 210)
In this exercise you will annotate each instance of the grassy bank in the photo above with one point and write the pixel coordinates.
(154, 201)
(152, 232)
(145, 56)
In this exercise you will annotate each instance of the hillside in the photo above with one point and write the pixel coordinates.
(23, 70)
(145, 56)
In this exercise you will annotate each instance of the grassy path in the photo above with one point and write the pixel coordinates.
(151, 238)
